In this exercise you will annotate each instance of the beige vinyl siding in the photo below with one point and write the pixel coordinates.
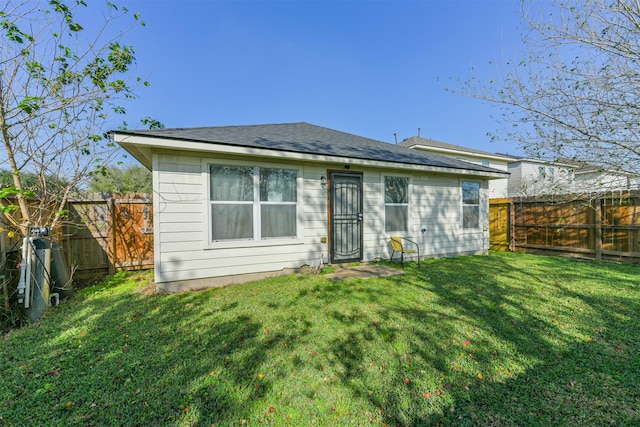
(604, 181)
(437, 208)
(315, 203)
(498, 188)
(181, 220)
(372, 217)
(178, 219)
(180, 192)
(184, 250)
(435, 204)
(515, 179)
(228, 262)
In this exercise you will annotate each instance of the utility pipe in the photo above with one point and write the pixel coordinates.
(28, 279)
(23, 272)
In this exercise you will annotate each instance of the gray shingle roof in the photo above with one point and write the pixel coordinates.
(308, 139)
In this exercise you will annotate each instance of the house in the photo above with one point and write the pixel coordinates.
(497, 187)
(236, 203)
(532, 177)
(592, 178)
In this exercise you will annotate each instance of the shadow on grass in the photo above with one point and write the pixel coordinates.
(138, 360)
(551, 376)
(498, 340)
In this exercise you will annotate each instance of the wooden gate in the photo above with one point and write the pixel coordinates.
(132, 233)
(103, 236)
(85, 240)
(499, 225)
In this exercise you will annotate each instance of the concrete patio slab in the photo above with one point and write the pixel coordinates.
(363, 272)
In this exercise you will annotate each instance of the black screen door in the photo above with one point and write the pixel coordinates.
(346, 217)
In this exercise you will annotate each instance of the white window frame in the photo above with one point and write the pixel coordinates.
(384, 204)
(463, 204)
(542, 172)
(256, 241)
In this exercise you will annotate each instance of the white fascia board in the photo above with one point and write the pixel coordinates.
(463, 153)
(544, 162)
(142, 145)
(606, 171)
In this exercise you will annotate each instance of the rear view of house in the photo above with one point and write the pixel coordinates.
(235, 203)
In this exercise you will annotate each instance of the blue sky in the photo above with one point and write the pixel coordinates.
(371, 68)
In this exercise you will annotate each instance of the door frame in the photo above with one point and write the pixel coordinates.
(331, 173)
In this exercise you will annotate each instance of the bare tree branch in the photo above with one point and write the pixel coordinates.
(576, 93)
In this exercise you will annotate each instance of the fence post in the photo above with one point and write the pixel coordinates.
(112, 235)
(598, 230)
(512, 224)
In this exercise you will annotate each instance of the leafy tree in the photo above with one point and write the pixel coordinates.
(576, 93)
(130, 179)
(59, 85)
(31, 181)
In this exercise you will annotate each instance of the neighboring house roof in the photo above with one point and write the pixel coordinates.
(303, 138)
(541, 161)
(578, 167)
(451, 149)
(586, 168)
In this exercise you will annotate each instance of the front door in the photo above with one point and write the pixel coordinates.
(346, 216)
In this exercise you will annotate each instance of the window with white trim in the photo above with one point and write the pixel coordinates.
(253, 203)
(542, 172)
(396, 203)
(470, 205)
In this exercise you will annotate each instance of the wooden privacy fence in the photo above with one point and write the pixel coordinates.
(102, 235)
(108, 235)
(605, 226)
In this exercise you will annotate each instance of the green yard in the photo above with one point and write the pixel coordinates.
(501, 340)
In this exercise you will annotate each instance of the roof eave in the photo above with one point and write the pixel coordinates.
(461, 151)
(141, 148)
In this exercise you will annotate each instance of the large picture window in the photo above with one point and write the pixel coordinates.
(396, 204)
(470, 205)
(253, 203)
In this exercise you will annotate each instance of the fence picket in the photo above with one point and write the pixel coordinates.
(103, 235)
(606, 226)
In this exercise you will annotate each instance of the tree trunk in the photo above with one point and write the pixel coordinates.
(17, 181)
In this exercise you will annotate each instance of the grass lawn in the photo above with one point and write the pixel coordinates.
(501, 340)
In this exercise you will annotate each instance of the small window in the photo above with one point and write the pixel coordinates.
(486, 163)
(541, 172)
(278, 197)
(231, 203)
(470, 205)
(396, 203)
